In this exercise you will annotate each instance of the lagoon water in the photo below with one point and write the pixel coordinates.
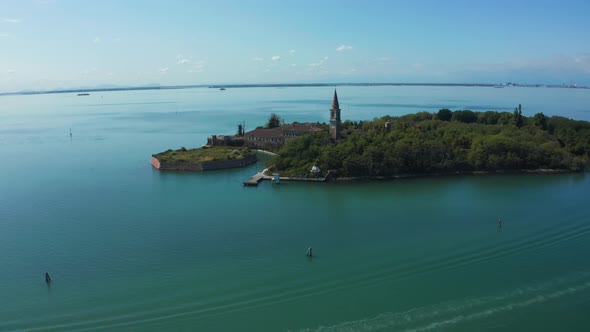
(130, 248)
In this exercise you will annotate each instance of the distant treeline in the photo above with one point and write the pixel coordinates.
(446, 141)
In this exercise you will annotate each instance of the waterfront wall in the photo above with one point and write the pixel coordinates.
(204, 166)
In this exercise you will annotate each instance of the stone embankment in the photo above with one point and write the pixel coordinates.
(204, 166)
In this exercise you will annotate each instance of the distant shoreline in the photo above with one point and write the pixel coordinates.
(286, 85)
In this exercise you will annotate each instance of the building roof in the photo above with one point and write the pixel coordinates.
(335, 104)
(264, 132)
(276, 132)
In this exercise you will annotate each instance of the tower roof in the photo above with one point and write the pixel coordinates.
(335, 104)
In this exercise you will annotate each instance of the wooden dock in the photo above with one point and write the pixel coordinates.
(254, 180)
(258, 177)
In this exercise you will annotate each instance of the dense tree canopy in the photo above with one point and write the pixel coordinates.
(274, 121)
(437, 143)
(445, 114)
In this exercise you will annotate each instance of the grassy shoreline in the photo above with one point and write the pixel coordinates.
(200, 155)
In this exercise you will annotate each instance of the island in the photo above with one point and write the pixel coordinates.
(446, 142)
(204, 159)
(420, 144)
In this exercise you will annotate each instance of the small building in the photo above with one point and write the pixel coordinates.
(276, 178)
(261, 138)
(225, 140)
(228, 140)
(387, 126)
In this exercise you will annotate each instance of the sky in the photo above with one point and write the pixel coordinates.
(50, 44)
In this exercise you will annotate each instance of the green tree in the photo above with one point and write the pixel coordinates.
(445, 114)
(540, 121)
(518, 117)
(489, 117)
(465, 116)
(274, 121)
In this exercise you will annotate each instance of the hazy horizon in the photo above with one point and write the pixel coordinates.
(52, 44)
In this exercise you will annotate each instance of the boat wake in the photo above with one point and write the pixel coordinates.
(570, 231)
(445, 315)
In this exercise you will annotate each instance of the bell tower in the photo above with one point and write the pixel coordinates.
(335, 124)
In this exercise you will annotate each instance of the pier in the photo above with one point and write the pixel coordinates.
(258, 177)
(254, 180)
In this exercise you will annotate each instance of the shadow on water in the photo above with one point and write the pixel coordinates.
(580, 176)
(529, 180)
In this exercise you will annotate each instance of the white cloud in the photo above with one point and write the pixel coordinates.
(320, 63)
(198, 67)
(293, 65)
(11, 20)
(292, 51)
(116, 39)
(349, 72)
(256, 58)
(344, 48)
(164, 70)
(582, 62)
(96, 40)
(89, 71)
(275, 58)
(6, 35)
(11, 71)
(183, 61)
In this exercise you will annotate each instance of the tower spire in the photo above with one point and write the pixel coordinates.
(335, 124)
(335, 104)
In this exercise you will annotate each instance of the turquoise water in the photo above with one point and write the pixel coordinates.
(133, 249)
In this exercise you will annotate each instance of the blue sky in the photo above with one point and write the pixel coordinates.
(47, 44)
